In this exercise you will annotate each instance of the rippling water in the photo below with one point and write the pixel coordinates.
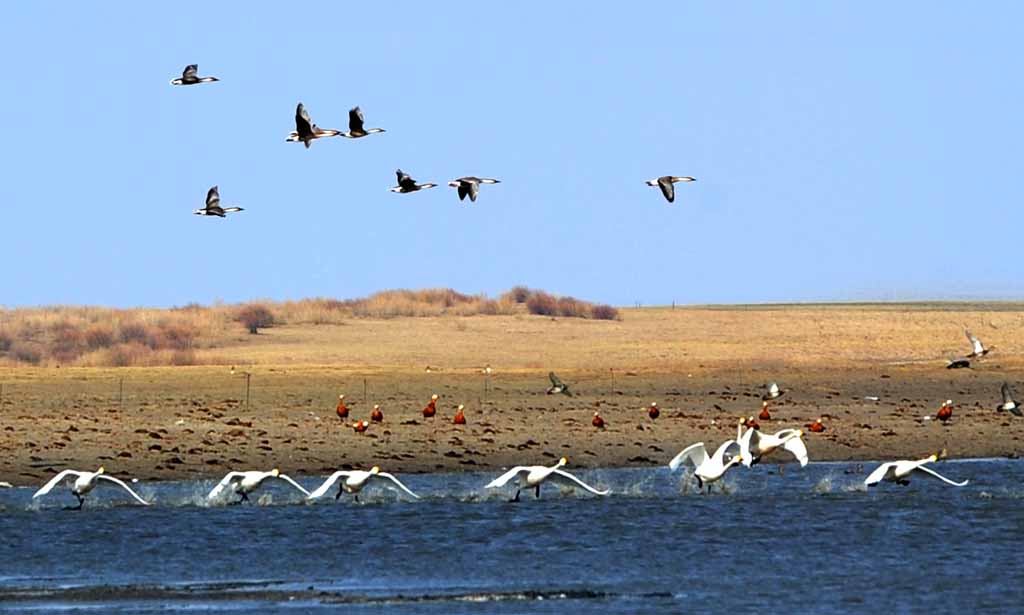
(811, 540)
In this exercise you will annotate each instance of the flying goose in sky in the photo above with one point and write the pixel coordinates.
(306, 131)
(82, 483)
(557, 386)
(355, 125)
(533, 476)
(213, 207)
(190, 77)
(899, 472)
(978, 349)
(1009, 404)
(408, 184)
(470, 186)
(665, 183)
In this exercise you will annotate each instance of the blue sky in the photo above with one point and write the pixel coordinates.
(867, 150)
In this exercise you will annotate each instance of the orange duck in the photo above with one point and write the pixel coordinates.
(946, 411)
(597, 421)
(360, 426)
(765, 415)
(653, 411)
(816, 426)
(376, 416)
(751, 423)
(460, 417)
(431, 408)
(342, 408)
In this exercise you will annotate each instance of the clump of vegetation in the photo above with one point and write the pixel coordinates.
(604, 312)
(256, 316)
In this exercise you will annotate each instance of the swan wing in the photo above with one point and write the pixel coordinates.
(507, 476)
(56, 480)
(749, 443)
(880, 473)
(397, 482)
(291, 482)
(224, 482)
(935, 474)
(796, 446)
(120, 483)
(566, 478)
(327, 484)
(696, 453)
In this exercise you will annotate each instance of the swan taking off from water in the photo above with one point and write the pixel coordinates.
(754, 445)
(354, 481)
(244, 483)
(708, 469)
(533, 476)
(900, 471)
(84, 482)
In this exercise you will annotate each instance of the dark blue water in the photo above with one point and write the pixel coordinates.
(812, 540)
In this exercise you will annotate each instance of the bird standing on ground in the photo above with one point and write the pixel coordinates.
(342, 409)
(213, 207)
(81, 483)
(190, 77)
(460, 416)
(534, 476)
(764, 415)
(900, 471)
(665, 182)
(430, 410)
(355, 125)
(772, 391)
(653, 410)
(306, 131)
(817, 426)
(377, 416)
(470, 186)
(597, 421)
(407, 184)
(360, 426)
(244, 483)
(354, 482)
(557, 386)
(945, 411)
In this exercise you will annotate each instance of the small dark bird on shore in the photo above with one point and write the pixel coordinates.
(958, 364)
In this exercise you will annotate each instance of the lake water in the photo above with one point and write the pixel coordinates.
(811, 540)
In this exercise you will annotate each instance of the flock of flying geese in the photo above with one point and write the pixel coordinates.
(306, 132)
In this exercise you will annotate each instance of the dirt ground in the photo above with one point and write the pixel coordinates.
(195, 422)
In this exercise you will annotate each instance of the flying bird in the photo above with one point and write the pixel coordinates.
(213, 207)
(978, 349)
(665, 182)
(534, 476)
(190, 77)
(355, 125)
(306, 131)
(900, 471)
(470, 186)
(244, 483)
(754, 445)
(1009, 404)
(708, 469)
(407, 184)
(557, 386)
(355, 480)
(81, 483)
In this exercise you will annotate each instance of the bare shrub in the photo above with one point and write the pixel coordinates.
(570, 307)
(604, 312)
(6, 339)
(27, 352)
(136, 333)
(175, 336)
(67, 341)
(517, 294)
(255, 316)
(542, 304)
(99, 335)
(183, 357)
(127, 354)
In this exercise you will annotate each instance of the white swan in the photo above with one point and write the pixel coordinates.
(84, 482)
(354, 482)
(533, 476)
(708, 469)
(244, 483)
(754, 445)
(899, 472)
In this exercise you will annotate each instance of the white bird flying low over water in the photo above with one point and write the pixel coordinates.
(355, 480)
(899, 472)
(533, 476)
(84, 482)
(708, 469)
(754, 445)
(244, 483)
(665, 182)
